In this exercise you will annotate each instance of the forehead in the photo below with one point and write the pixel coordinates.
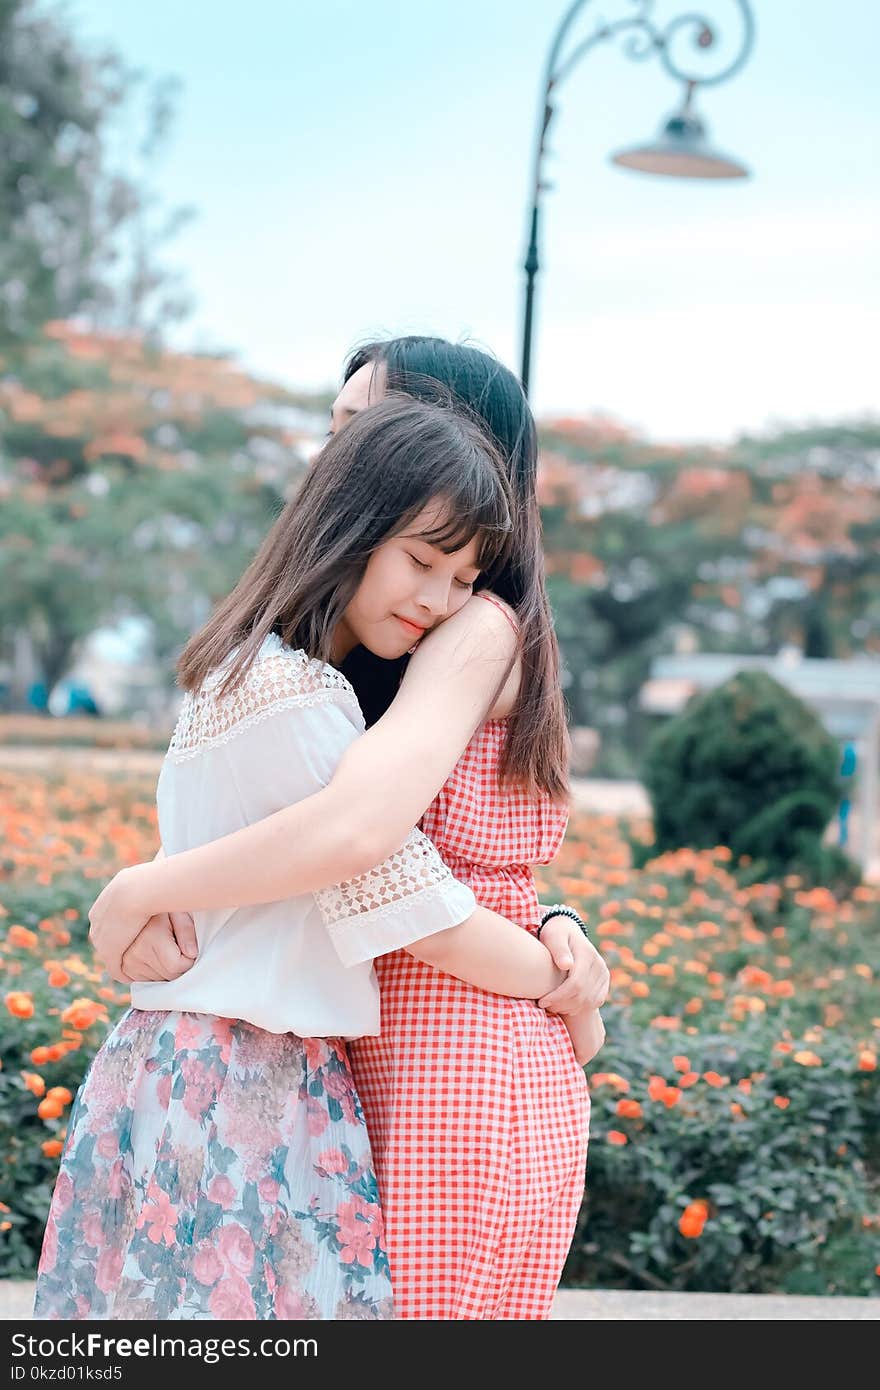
(363, 388)
(431, 520)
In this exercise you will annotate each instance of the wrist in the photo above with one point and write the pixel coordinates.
(562, 910)
(135, 883)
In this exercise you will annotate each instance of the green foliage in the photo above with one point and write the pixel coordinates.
(786, 1188)
(27, 1174)
(76, 229)
(747, 765)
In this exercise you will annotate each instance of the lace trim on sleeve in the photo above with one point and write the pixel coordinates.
(279, 678)
(414, 873)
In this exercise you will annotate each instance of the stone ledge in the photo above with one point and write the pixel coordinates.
(619, 1305)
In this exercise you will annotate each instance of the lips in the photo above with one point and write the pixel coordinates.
(418, 628)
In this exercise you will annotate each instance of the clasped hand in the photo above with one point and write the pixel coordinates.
(134, 946)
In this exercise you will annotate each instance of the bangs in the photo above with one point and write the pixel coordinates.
(475, 506)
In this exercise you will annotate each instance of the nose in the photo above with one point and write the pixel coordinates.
(433, 597)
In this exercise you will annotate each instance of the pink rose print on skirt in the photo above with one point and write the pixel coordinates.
(159, 1212)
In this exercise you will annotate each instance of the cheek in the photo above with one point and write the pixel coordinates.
(384, 585)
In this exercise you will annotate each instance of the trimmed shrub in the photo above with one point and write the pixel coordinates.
(748, 765)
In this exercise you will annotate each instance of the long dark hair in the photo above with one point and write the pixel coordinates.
(367, 484)
(536, 749)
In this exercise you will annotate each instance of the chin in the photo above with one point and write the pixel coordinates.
(388, 646)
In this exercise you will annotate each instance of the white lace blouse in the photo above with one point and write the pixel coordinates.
(303, 965)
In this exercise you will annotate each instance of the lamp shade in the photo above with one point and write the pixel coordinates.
(681, 151)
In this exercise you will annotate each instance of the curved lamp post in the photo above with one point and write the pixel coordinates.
(681, 149)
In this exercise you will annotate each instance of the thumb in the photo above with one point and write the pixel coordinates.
(562, 958)
(184, 929)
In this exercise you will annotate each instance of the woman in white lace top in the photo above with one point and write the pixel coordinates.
(217, 1163)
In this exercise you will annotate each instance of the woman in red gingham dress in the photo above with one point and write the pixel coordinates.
(477, 1111)
(476, 1105)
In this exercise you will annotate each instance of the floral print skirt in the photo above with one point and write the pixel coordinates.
(213, 1170)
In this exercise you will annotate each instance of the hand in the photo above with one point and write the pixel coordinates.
(588, 979)
(116, 917)
(587, 1033)
(164, 950)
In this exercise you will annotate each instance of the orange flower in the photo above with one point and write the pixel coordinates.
(83, 1013)
(640, 990)
(671, 1022)
(50, 1109)
(681, 1063)
(693, 1219)
(805, 1058)
(689, 1078)
(58, 978)
(20, 1003)
(693, 1006)
(712, 1078)
(629, 1109)
(35, 1084)
(783, 989)
(782, 1101)
(671, 1096)
(609, 1078)
(60, 1093)
(20, 936)
(736, 1109)
(783, 1047)
(756, 978)
(867, 1060)
(52, 1147)
(656, 1087)
(40, 1056)
(616, 1137)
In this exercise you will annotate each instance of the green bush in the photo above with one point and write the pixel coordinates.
(776, 1143)
(749, 766)
(55, 1009)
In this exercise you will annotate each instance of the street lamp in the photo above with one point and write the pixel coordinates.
(681, 149)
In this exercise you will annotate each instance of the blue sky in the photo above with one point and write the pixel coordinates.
(362, 169)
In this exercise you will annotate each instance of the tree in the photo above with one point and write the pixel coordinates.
(77, 232)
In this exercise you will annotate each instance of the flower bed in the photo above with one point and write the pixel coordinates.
(734, 1134)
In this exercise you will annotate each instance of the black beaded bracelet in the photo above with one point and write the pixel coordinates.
(562, 910)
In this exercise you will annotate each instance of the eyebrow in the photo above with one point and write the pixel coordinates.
(432, 545)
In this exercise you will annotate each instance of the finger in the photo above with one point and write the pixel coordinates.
(573, 995)
(562, 957)
(140, 972)
(562, 1000)
(170, 962)
(184, 929)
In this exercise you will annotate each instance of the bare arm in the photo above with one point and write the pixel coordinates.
(490, 952)
(383, 785)
(587, 1032)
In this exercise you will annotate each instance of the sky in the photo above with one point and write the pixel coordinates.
(362, 169)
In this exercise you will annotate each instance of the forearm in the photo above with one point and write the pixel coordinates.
(490, 952)
(587, 1033)
(307, 846)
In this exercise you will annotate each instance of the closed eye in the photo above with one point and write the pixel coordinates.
(419, 564)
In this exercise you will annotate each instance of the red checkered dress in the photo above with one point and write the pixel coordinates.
(478, 1112)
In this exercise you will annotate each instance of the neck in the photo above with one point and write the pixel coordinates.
(343, 642)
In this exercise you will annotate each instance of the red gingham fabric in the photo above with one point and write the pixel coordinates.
(478, 1112)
